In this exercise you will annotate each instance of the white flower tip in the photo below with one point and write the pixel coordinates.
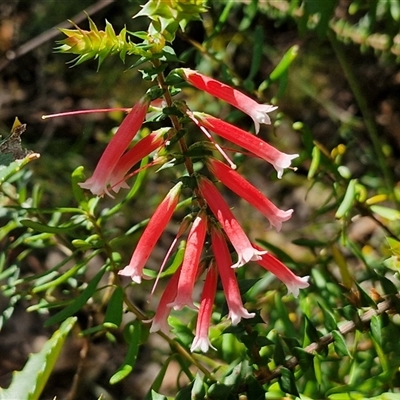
(239, 314)
(127, 271)
(202, 344)
(159, 326)
(119, 185)
(299, 283)
(281, 216)
(282, 162)
(178, 304)
(260, 116)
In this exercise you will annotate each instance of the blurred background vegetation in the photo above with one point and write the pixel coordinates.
(339, 107)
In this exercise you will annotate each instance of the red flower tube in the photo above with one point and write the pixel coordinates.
(245, 251)
(258, 112)
(191, 259)
(160, 319)
(98, 182)
(247, 191)
(244, 139)
(201, 340)
(151, 234)
(293, 282)
(228, 278)
(140, 150)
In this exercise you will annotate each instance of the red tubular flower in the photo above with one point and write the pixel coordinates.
(191, 259)
(140, 150)
(293, 282)
(228, 278)
(98, 182)
(151, 234)
(244, 139)
(160, 319)
(258, 112)
(247, 191)
(201, 340)
(245, 251)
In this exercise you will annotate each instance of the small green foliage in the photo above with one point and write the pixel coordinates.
(60, 254)
(30, 382)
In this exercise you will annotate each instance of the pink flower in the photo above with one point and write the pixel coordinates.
(244, 139)
(228, 278)
(98, 182)
(293, 282)
(201, 340)
(258, 112)
(245, 251)
(151, 234)
(191, 259)
(140, 150)
(160, 319)
(247, 191)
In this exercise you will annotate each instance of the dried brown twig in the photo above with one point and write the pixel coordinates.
(50, 34)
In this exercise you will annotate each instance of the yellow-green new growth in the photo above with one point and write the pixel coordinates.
(170, 15)
(98, 44)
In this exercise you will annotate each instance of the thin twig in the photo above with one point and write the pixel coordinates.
(51, 33)
(324, 341)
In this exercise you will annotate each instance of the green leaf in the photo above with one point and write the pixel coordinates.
(329, 319)
(257, 56)
(365, 299)
(350, 313)
(6, 172)
(185, 393)
(310, 331)
(132, 334)
(43, 228)
(285, 63)
(305, 358)
(340, 344)
(394, 246)
(79, 302)
(113, 317)
(50, 278)
(155, 396)
(218, 391)
(348, 200)
(287, 382)
(388, 213)
(198, 390)
(160, 377)
(319, 376)
(376, 328)
(290, 330)
(77, 177)
(315, 161)
(279, 353)
(388, 286)
(255, 391)
(30, 382)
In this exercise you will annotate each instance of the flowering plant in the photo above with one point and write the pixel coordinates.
(160, 245)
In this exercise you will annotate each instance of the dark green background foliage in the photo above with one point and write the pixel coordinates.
(332, 67)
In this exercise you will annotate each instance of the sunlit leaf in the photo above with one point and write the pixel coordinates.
(31, 380)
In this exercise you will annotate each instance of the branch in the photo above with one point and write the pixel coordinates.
(51, 33)
(324, 341)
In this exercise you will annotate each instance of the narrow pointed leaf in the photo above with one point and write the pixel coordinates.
(113, 317)
(133, 335)
(340, 344)
(79, 302)
(31, 380)
(287, 382)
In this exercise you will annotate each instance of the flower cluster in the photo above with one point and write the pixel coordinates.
(216, 244)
